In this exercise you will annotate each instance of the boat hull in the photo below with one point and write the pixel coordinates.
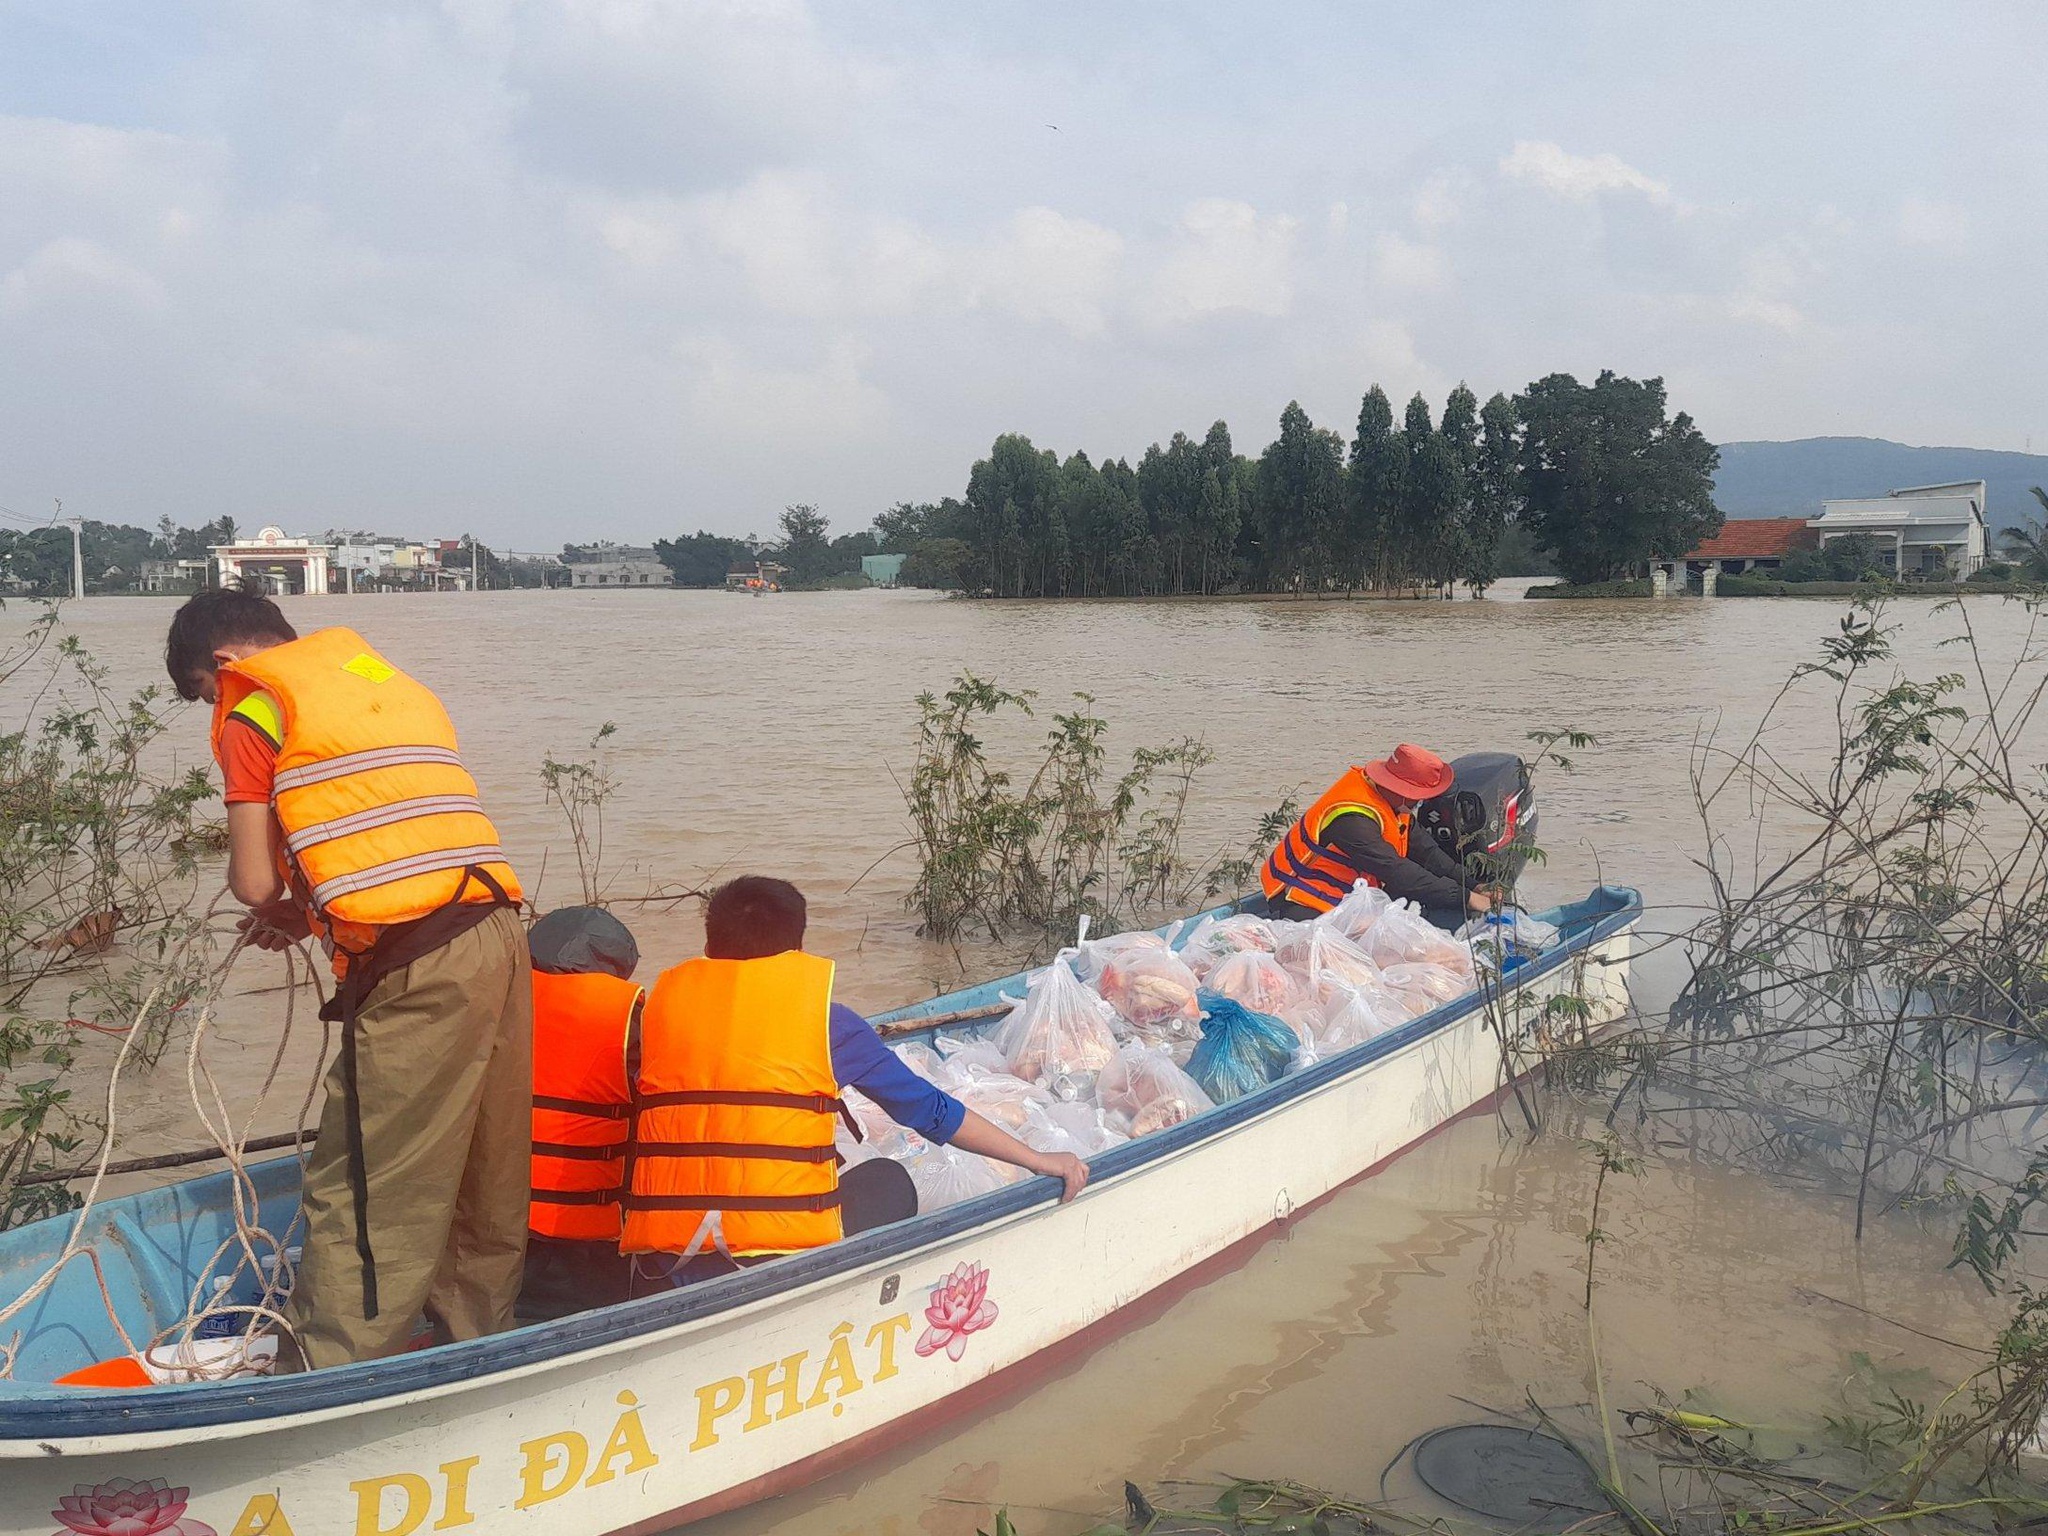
(645, 1416)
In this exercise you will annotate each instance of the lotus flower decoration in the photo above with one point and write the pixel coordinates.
(959, 1307)
(123, 1507)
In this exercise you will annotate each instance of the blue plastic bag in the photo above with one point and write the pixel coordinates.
(1240, 1050)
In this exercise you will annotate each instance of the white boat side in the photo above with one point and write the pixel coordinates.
(640, 1417)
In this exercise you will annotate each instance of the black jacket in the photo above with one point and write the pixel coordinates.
(1428, 876)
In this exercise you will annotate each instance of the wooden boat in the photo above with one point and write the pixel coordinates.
(642, 1416)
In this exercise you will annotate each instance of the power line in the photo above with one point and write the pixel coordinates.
(29, 522)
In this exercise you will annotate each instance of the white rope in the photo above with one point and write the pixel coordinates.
(249, 1235)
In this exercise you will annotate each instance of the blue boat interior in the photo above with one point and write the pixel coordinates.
(155, 1249)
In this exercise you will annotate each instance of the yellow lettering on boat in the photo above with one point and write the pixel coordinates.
(714, 1403)
(837, 1373)
(262, 1516)
(455, 1501)
(766, 1386)
(886, 1332)
(542, 1476)
(418, 1497)
(628, 1439)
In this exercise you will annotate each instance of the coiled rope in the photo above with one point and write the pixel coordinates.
(253, 1240)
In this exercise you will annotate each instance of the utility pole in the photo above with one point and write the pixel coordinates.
(77, 554)
(472, 565)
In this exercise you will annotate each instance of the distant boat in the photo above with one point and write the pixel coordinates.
(637, 1417)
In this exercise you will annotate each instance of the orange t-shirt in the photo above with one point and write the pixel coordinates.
(248, 762)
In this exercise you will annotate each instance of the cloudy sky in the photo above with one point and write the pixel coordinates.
(555, 269)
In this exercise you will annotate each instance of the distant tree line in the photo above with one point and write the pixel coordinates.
(37, 561)
(1595, 480)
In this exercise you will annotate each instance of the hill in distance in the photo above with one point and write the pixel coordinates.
(1793, 479)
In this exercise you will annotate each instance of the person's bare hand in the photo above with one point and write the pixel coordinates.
(275, 925)
(1479, 902)
(1069, 1170)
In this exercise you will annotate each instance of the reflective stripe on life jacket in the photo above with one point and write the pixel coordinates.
(1303, 868)
(381, 821)
(736, 1108)
(582, 1103)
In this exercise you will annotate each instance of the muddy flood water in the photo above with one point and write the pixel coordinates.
(767, 735)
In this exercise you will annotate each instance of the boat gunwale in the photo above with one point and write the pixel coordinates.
(41, 1414)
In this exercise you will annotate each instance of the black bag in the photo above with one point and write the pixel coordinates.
(1487, 818)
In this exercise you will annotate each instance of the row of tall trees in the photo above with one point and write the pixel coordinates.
(1600, 475)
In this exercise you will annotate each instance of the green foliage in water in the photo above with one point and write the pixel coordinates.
(1001, 851)
(98, 858)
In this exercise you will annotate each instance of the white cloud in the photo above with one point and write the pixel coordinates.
(1407, 264)
(1440, 200)
(1045, 266)
(1226, 256)
(1924, 221)
(734, 399)
(1579, 178)
(70, 267)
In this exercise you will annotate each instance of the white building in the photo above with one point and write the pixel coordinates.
(1932, 529)
(620, 573)
(277, 559)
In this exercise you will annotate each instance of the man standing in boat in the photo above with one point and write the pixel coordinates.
(743, 1055)
(1361, 828)
(351, 817)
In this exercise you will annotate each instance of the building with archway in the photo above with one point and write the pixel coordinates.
(284, 565)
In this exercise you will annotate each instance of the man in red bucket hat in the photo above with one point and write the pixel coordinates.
(1359, 829)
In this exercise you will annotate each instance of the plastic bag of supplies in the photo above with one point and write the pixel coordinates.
(1402, 935)
(946, 1176)
(1151, 989)
(1142, 1091)
(1217, 938)
(1355, 914)
(1091, 955)
(1256, 979)
(1240, 1050)
(1059, 1036)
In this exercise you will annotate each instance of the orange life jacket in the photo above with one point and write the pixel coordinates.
(736, 1104)
(582, 1103)
(381, 821)
(1305, 869)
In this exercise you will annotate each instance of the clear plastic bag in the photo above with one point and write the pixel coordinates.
(1081, 1129)
(1059, 1036)
(1150, 989)
(1142, 1090)
(1002, 1099)
(1256, 979)
(946, 1176)
(1291, 941)
(1355, 914)
(1353, 1021)
(1240, 1050)
(1217, 938)
(1091, 957)
(879, 1135)
(1334, 965)
(966, 1057)
(1514, 931)
(1426, 986)
(1403, 936)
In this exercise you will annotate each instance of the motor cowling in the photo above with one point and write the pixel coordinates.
(1487, 818)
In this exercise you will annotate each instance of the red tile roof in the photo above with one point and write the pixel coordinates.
(1756, 538)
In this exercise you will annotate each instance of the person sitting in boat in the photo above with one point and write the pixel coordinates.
(743, 1056)
(1361, 828)
(350, 816)
(586, 1049)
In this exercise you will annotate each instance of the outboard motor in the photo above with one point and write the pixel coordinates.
(1489, 810)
